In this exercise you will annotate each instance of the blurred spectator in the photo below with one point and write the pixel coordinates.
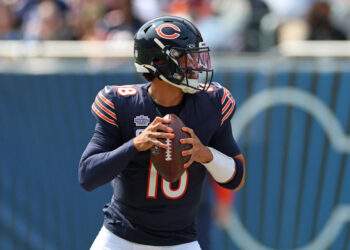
(226, 25)
(320, 25)
(225, 28)
(46, 21)
(148, 11)
(83, 16)
(253, 39)
(8, 30)
(341, 15)
(222, 22)
(289, 9)
(119, 22)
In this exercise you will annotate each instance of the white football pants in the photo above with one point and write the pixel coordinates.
(106, 240)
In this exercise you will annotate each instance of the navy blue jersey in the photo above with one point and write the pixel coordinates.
(145, 208)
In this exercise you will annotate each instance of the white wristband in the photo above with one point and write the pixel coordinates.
(222, 168)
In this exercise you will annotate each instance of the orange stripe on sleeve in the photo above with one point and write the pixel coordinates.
(224, 96)
(105, 100)
(105, 109)
(227, 114)
(226, 106)
(103, 117)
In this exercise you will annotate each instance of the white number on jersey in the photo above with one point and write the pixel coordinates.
(167, 190)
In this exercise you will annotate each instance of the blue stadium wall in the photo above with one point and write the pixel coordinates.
(292, 124)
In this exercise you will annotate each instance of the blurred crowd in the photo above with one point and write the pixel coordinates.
(235, 25)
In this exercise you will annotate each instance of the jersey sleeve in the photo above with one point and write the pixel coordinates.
(223, 139)
(105, 156)
(224, 142)
(104, 108)
(228, 106)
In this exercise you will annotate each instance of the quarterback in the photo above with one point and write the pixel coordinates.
(146, 211)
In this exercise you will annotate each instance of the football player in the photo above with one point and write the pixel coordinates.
(147, 212)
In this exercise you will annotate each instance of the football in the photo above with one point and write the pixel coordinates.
(169, 162)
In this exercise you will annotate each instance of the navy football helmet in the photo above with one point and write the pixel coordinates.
(172, 49)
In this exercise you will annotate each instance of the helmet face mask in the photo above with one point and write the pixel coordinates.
(172, 49)
(196, 67)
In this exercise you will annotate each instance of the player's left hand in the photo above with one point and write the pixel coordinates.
(198, 152)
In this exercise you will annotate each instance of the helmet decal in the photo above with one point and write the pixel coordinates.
(172, 36)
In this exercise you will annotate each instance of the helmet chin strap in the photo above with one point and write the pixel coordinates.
(184, 88)
(145, 68)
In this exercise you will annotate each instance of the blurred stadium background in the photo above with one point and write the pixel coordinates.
(287, 63)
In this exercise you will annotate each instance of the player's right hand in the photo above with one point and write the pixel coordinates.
(149, 137)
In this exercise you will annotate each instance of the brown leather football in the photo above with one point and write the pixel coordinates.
(170, 162)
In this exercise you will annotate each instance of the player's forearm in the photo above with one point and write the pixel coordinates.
(239, 178)
(221, 167)
(97, 168)
(226, 171)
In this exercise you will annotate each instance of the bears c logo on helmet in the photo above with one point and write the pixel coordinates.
(171, 36)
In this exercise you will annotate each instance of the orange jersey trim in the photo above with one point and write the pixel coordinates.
(228, 113)
(226, 106)
(105, 100)
(105, 109)
(103, 117)
(224, 96)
